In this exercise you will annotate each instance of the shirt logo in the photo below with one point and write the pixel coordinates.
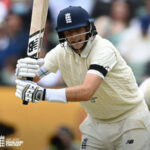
(68, 18)
(130, 141)
(84, 143)
(107, 68)
(93, 99)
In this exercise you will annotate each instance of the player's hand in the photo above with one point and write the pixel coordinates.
(29, 91)
(28, 67)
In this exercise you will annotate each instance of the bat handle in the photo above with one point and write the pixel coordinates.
(26, 102)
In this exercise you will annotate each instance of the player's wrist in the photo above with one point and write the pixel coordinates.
(36, 79)
(42, 71)
(56, 95)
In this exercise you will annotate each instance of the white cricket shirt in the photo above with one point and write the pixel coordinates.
(117, 95)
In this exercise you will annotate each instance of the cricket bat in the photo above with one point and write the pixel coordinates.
(38, 21)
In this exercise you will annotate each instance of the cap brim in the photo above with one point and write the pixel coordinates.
(73, 27)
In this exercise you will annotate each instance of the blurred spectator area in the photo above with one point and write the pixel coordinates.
(63, 139)
(15, 18)
(135, 45)
(113, 25)
(55, 7)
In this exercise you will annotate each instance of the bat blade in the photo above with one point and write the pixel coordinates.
(38, 21)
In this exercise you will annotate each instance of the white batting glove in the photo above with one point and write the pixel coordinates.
(29, 91)
(28, 67)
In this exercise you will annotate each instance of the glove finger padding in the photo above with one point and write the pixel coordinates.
(28, 67)
(31, 66)
(27, 60)
(24, 72)
(18, 94)
(29, 91)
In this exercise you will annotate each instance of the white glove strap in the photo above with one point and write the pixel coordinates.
(56, 95)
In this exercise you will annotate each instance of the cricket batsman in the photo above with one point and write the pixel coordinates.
(96, 76)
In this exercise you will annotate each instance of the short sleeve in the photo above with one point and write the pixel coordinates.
(102, 62)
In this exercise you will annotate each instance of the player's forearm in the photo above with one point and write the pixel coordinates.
(78, 93)
(82, 92)
(71, 94)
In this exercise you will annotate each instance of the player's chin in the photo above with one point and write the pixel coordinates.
(77, 46)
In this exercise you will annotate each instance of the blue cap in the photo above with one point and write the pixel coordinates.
(72, 17)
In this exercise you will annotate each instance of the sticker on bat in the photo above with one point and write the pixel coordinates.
(35, 42)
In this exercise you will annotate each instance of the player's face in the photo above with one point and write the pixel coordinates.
(76, 38)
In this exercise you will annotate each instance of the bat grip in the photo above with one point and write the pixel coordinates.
(26, 102)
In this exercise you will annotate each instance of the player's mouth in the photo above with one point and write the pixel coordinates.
(76, 42)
